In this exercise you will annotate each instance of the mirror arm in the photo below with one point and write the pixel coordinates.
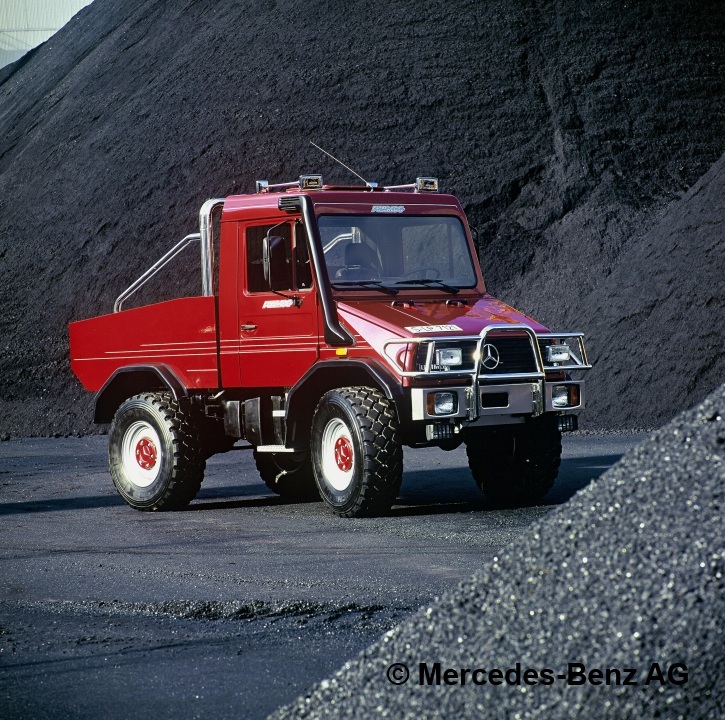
(294, 298)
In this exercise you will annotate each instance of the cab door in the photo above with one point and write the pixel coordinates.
(277, 303)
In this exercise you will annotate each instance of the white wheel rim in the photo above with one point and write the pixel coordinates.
(338, 455)
(141, 453)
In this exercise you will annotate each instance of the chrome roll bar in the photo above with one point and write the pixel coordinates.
(136, 284)
(207, 244)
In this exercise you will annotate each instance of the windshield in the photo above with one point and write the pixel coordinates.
(375, 252)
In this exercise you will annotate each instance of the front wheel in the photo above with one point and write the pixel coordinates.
(357, 456)
(515, 465)
(154, 453)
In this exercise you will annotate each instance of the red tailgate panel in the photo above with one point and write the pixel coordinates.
(179, 333)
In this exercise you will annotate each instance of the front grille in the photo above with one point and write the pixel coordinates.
(515, 355)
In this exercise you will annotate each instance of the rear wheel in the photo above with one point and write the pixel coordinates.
(357, 456)
(154, 453)
(287, 474)
(515, 465)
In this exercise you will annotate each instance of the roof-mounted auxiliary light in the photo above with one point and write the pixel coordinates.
(315, 182)
(305, 182)
(311, 182)
(421, 184)
(426, 184)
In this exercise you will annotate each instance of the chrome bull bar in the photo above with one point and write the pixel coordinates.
(578, 360)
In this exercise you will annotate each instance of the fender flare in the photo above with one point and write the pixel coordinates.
(330, 374)
(131, 380)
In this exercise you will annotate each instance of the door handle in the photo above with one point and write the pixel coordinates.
(248, 328)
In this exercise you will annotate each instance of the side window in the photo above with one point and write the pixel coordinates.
(281, 276)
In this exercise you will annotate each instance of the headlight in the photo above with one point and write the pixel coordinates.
(449, 356)
(442, 403)
(557, 353)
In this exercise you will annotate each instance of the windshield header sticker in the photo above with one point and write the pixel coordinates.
(433, 328)
(278, 303)
(388, 208)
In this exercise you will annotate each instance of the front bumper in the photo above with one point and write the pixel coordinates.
(498, 404)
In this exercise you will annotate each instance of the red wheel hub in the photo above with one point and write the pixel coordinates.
(146, 454)
(343, 454)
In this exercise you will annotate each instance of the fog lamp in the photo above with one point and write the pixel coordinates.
(442, 403)
(563, 396)
(557, 353)
(560, 396)
(449, 356)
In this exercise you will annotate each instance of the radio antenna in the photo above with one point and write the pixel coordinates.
(343, 164)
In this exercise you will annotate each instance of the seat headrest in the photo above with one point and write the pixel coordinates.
(359, 254)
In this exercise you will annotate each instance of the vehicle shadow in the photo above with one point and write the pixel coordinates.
(76, 503)
(424, 492)
(428, 492)
(258, 497)
(252, 502)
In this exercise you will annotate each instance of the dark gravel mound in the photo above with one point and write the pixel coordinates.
(629, 573)
(664, 303)
(565, 130)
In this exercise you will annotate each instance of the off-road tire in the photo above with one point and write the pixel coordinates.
(357, 426)
(288, 474)
(515, 465)
(154, 453)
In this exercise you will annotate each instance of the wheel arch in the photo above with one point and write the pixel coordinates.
(328, 375)
(128, 381)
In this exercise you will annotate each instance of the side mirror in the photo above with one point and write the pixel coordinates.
(274, 263)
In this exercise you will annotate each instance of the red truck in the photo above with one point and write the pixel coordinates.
(335, 325)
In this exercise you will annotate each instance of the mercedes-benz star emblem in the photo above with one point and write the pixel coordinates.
(489, 357)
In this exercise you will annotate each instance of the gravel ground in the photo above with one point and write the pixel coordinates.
(236, 605)
(627, 575)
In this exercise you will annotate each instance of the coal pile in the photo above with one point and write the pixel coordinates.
(572, 134)
(626, 575)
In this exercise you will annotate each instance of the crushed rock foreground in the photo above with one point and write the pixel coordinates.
(628, 574)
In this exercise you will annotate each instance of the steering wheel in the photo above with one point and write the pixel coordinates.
(426, 272)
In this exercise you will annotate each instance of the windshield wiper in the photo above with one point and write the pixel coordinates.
(430, 281)
(372, 284)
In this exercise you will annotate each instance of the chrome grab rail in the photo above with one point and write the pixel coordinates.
(160, 263)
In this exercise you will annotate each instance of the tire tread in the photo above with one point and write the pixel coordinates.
(383, 452)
